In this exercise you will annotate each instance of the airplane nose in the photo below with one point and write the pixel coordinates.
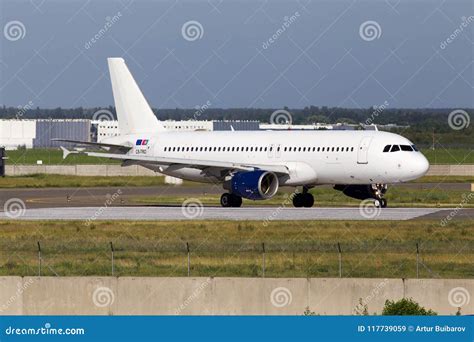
(421, 166)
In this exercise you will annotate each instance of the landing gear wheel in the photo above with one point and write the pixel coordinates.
(308, 200)
(298, 200)
(230, 200)
(377, 203)
(383, 203)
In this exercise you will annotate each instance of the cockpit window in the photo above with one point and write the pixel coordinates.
(395, 148)
(414, 148)
(406, 148)
(387, 148)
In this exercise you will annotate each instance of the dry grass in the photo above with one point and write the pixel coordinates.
(223, 248)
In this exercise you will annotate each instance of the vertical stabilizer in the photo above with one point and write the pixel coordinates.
(133, 112)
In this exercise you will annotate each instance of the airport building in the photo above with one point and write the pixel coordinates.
(38, 133)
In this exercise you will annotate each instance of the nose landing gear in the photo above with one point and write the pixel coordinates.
(379, 191)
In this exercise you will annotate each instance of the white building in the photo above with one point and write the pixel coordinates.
(15, 133)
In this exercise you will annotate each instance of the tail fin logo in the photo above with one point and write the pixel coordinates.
(142, 142)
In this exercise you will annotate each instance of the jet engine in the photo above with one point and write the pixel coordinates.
(254, 185)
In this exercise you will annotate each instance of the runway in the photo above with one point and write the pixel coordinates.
(267, 214)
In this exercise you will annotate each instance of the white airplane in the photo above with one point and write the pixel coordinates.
(254, 164)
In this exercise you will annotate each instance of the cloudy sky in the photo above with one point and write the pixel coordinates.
(266, 54)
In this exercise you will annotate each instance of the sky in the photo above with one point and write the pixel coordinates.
(228, 54)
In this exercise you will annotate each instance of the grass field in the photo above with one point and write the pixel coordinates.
(222, 248)
(61, 181)
(54, 156)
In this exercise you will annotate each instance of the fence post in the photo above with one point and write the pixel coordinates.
(263, 266)
(340, 259)
(112, 250)
(39, 259)
(417, 261)
(189, 259)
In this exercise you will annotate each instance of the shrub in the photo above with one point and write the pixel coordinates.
(405, 307)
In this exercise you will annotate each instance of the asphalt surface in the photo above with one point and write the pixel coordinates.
(101, 203)
(88, 197)
(217, 213)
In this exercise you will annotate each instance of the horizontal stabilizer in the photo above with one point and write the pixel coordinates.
(109, 147)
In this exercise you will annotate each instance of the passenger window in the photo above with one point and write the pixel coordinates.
(284, 149)
(386, 148)
(406, 148)
(352, 149)
(395, 148)
(332, 149)
(337, 149)
(299, 149)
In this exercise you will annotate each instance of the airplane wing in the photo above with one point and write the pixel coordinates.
(182, 162)
(108, 147)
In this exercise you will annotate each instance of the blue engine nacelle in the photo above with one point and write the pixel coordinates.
(254, 185)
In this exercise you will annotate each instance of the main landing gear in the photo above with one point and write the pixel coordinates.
(230, 200)
(304, 199)
(380, 203)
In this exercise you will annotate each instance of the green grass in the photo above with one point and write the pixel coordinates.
(54, 156)
(449, 156)
(223, 248)
(62, 181)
